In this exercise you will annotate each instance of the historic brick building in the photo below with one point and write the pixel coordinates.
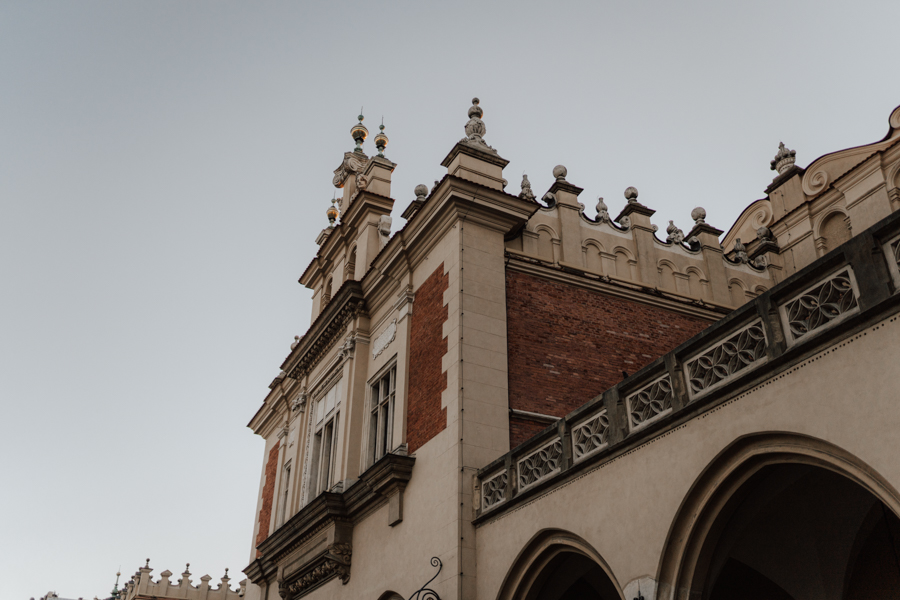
(558, 406)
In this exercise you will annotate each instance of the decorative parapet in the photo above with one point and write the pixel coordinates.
(892, 255)
(850, 288)
(649, 403)
(822, 305)
(142, 587)
(590, 436)
(493, 490)
(723, 361)
(540, 464)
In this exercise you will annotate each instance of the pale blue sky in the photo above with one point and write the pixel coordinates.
(165, 168)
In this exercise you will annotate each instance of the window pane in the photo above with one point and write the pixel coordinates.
(329, 400)
(326, 457)
(320, 411)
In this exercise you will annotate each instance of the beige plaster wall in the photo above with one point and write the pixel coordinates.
(625, 507)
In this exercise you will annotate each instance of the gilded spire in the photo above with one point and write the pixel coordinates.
(359, 133)
(381, 140)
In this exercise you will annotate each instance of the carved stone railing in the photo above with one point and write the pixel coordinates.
(842, 291)
(724, 360)
(141, 586)
(650, 403)
(590, 436)
(821, 305)
(539, 464)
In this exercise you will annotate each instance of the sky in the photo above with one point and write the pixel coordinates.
(165, 168)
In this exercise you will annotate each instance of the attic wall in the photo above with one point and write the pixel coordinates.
(569, 344)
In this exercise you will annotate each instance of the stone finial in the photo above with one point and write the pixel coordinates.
(147, 566)
(676, 236)
(765, 234)
(475, 127)
(437, 182)
(602, 211)
(740, 251)
(784, 160)
(631, 194)
(699, 215)
(293, 345)
(381, 140)
(526, 192)
(560, 172)
(421, 191)
(359, 133)
(332, 213)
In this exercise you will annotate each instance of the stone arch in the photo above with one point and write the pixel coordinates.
(760, 289)
(547, 239)
(389, 595)
(350, 267)
(738, 290)
(698, 284)
(832, 229)
(626, 265)
(667, 270)
(593, 260)
(686, 558)
(547, 548)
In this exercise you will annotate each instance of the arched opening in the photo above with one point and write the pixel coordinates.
(557, 565)
(801, 532)
(834, 231)
(785, 517)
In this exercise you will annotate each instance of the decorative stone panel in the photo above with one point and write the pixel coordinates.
(649, 403)
(821, 305)
(892, 253)
(540, 464)
(493, 490)
(591, 436)
(717, 365)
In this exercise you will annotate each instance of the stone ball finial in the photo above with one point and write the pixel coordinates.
(560, 172)
(475, 110)
(359, 133)
(699, 215)
(631, 194)
(421, 191)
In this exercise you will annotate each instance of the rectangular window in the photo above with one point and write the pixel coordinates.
(381, 419)
(285, 491)
(323, 469)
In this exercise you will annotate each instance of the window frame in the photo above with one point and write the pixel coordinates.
(324, 434)
(380, 413)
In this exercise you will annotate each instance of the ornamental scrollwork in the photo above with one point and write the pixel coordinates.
(493, 490)
(723, 361)
(337, 563)
(540, 464)
(650, 402)
(821, 305)
(425, 592)
(590, 436)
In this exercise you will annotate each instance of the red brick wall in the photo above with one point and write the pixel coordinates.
(523, 429)
(265, 512)
(568, 344)
(427, 345)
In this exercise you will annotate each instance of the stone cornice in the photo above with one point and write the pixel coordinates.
(373, 489)
(325, 330)
(473, 150)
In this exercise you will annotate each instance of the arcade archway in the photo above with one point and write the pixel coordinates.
(785, 517)
(558, 565)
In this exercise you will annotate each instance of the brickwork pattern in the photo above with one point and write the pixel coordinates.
(523, 429)
(427, 345)
(265, 512)
(568, 344)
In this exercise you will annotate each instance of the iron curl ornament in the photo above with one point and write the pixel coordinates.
(425, 592)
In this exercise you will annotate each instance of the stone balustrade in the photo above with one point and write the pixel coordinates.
(842, 291)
